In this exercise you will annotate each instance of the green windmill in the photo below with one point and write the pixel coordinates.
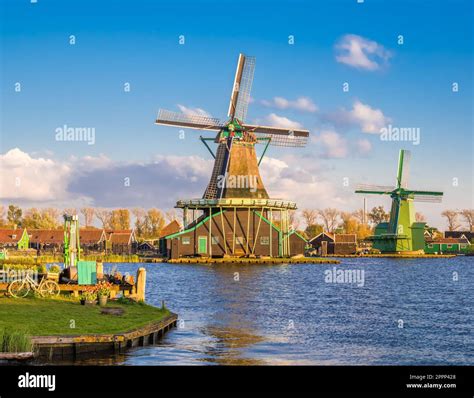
(402, 233)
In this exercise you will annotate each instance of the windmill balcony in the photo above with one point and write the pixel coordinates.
(236, 202)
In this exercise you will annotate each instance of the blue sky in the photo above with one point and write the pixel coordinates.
(137, 42)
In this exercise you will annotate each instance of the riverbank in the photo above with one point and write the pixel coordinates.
(246, 260)
(64, 327)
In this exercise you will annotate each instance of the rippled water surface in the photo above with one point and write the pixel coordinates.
(289, 314)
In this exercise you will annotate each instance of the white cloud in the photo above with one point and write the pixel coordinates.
(364, 146)
(303, 104)
(333, 144)
(361, 53)
(25, 177)
(368, 119)
(280, 121)
(193, 111)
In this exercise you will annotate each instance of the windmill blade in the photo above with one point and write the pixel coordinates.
(170, 118)
(240, 98)
(280, 136)
(374, 189)
(403, 168)
(427, 198)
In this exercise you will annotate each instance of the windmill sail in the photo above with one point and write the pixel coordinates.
(403, 168)
(199, 122)
(280, 136)
(240, 98)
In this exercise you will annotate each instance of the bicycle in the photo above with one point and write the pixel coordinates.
(21, 287)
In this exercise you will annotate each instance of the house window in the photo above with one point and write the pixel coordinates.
(186, 240)
(264, 240)
(215, 240)
(430, 246)
(449, 246)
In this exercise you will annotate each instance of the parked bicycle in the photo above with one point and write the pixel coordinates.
(21, 287)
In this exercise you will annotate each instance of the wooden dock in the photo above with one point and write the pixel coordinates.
(245, 260)
(72, 346)
(391, 255)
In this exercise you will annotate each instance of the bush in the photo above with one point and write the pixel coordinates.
(15, 341)
(55, 268)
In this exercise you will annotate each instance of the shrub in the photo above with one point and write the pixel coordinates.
(55, 268)
(15, 341)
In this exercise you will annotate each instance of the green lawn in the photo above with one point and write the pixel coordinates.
(41, 317)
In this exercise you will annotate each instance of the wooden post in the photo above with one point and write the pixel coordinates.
(210, 233)
(271, 232)
(141, 282)
(233, 236)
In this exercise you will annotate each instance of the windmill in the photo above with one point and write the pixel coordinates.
(235, 184)
(401, 233)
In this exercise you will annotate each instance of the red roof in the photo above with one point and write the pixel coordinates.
(169, 229)
(91, 236)
(48, 236)
(10, 235)
(448, 240)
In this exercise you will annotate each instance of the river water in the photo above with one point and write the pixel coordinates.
(403, 312)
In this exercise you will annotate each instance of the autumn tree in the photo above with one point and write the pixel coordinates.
(47, 218)
(349, 223)
(360, 216)
(119, 219)
(154, 223)
(378, 215)
(2, 215)
(14, 215)
(171, 215)
(313, 230)
(140, 221)
(330, 218)
(451, 219)
(468, 216)
(88, 214)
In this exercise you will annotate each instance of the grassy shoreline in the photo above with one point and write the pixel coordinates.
(64, 316)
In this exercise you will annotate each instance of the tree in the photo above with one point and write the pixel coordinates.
(468, 216)
(330, 218)
(171, 215)
(155, 222)
(451, 219)
(293, 218)
(313, 230)
(41, 219)
(420, 217)
(120, 219)
(349, 223)
(309, 216)
(2, 215)
(14, 214)
(103, 215)
(70, 211)
(88, 214)
(140, 224)
(378, 215)
(359, 216)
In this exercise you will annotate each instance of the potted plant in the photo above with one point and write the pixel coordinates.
(89, 297)
(103, 292)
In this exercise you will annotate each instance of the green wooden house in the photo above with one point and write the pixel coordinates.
(447, 246)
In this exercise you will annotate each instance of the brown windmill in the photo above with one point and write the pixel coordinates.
(238, 217)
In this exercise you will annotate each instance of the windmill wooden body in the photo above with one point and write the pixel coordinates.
(237, 216)
(402, 233)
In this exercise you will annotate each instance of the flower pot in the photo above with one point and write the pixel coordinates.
(102, 300)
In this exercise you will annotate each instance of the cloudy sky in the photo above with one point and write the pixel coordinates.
(341, 69)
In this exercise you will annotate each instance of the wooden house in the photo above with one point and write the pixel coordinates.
(14, 239)
(122, 241)
(469, 235)
(326, 243)
(226, 234)
(46, 240)
(92, 240)
(447, 246)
